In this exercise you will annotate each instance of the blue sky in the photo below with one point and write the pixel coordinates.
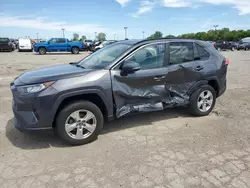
(28, 17)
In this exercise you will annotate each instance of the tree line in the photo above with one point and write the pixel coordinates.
(100, 37)
(211, 35)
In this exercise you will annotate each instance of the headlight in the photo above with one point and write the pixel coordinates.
(33, 88)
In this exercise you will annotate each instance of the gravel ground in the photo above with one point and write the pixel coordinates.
(160, 149)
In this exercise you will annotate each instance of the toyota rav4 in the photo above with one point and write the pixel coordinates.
(127, 77)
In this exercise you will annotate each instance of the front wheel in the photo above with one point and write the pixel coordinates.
(42, 50)
(75, 50)
(79, 123)
(202, 101)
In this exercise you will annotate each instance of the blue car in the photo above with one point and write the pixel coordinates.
(58, 45)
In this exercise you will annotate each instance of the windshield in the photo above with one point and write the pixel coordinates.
(104, 56)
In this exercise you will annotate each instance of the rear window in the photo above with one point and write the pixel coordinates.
(25, 41)
(4, 40)
(204, 55)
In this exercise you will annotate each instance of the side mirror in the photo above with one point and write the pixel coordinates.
(129, 67)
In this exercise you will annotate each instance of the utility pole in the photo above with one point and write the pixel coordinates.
(37, 37)
(125, 28)
(63, 32)
(143, 34)
(114, 35)
(215, 27)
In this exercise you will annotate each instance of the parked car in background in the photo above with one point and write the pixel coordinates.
(103, 44)
(93, 45)
(224, 45)
(243, 46)
(234, 44)
(6, 45)
(25, 45)
(211, 42)
(58, 45)
(124, 78)
(14, 46)
(87, 42)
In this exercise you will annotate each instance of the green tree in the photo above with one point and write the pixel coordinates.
(101, 36)
(83, 38)
(156, 35)
(169, 36)
(75, 36)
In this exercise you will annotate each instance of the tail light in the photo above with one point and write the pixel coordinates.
(227, 62)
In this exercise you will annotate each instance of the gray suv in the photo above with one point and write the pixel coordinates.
(127, 77)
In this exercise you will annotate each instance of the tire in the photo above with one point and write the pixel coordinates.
(65, 115)
(75, 50)
(193, 106)
(42, 50)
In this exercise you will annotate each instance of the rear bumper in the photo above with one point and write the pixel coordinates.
(222, 91)
(6, 48)
(25, 48)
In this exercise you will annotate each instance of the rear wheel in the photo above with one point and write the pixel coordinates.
(42, 50)
(75, 50)
(79, 123)
(202, 101)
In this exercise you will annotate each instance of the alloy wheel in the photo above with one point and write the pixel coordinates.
(80, 124)
(205, 101)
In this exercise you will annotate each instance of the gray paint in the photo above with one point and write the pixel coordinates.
(133, 93)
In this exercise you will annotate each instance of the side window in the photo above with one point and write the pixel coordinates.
(53, 41)
(60, 40)
(150, 57)
(196, 53)
(204, 55)
(181, 52)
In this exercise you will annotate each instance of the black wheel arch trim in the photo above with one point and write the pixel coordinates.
(81, 92)
(203, 82)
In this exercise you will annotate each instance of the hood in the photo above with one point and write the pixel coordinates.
(52, 73)
(41, 43)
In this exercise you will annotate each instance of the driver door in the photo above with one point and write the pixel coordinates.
(143, 90)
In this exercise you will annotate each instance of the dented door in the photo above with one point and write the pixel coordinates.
(157, 85)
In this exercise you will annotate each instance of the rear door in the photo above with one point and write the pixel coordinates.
(58, 44)
(184, 70)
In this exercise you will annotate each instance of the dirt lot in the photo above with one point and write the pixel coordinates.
(161, 149)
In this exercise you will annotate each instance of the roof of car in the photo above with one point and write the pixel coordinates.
(136, 41)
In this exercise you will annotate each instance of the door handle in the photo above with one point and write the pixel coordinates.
(198, 68)
(158, 78)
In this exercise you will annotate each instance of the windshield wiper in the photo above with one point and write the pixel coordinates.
(77, 64)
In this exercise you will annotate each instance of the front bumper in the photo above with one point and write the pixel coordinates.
(33, 111)
(27, 121)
